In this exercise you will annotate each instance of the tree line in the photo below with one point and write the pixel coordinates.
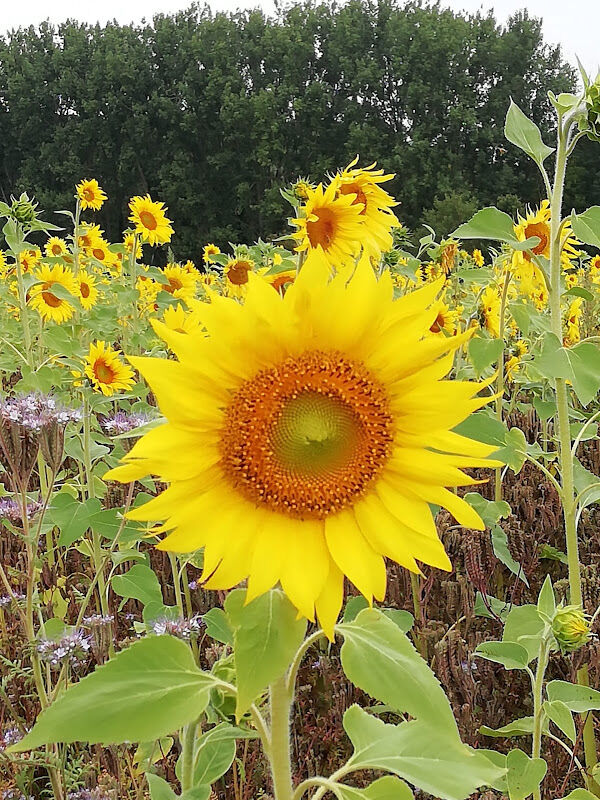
(214, 113)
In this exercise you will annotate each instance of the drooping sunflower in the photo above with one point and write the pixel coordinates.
(89, 236)
(489, 310)
(208, 252)
(88, 293)
(179, 282)
(129, 239)
(378, 218)
(106, 370)
(237, 272)
(149, 220)
(445, 321)
(537, 223)
(330, 222)
(282, 280)
(306, 436)
(55, 246)
(29, 259)
(90, 195)
(50, 305)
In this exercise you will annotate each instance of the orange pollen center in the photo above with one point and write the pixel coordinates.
(238, 272)
(84, 289)
(89, 194)
(104, 372)
(539, 229)
(308, 437)
(56, 249)
(148, 220)
(438, 325)
(323, 230)
(281, 281)
(99, 253)
(361, 197)
(173, 285)
(50, 299)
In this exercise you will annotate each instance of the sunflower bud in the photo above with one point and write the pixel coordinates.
(591, 122)
(571, 628)
(23, 210)
(301, 189)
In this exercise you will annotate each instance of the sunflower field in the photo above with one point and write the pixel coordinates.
(314, 518)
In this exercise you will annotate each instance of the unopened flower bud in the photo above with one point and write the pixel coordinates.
(23, 210)
(571, 628)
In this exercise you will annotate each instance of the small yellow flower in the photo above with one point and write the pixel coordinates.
(277, 259)
(179, 282)
(55, 246)
(89, 236)
(29, 259)
(446, 320)
(489, 308)
(90, 195)
(88, 293)
(236, 274)
(209, 251)
(282, 280)
(106, 371)
(478, 258)
(176, 318)
(51, 306)
(150, 220)
(128, 240)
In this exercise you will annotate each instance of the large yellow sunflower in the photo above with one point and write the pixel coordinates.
(149, 220)
(330, 222)
(89, 236)
(377, 215)
(50, 305)
(537, 223)
(55, 246)
(90, 195)
(237, 274)
(307, 435)
(179, 282)
(106, 371)
(87, 291)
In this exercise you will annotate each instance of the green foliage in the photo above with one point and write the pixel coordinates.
(520, 130)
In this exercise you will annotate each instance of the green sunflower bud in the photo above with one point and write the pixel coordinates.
(301, 189)
(23, 210)
(571, 628)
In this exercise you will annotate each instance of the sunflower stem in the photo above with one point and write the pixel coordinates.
(279, 753)
(188, 738)
(500, 379)
(538, 707)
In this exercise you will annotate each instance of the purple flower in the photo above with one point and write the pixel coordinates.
(88, 794)
(182, 628)
(123, 422)
(11, 509)
(34, 411)
(6, 599)
(72, 647)
(98, 620)
(10, 736)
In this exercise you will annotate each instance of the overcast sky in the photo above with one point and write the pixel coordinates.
(575, 24)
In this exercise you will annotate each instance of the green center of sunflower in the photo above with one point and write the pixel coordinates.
(307, 437)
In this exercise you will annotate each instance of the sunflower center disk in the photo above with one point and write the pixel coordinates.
(308, 437)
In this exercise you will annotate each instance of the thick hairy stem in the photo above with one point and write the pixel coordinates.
(187, 756)
(279, 754)
(538, 710)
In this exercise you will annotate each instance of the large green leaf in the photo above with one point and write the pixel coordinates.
(579, 364)
(518, 727)
(140, 583)
(510, 654)
(419, 753)
(586, 226)
(577, 698)
(267, 633)
(386, 788)
(491, 223)
(484, 352)
(524, 626)
(523, 132)
(562, 717)
(214, 752)
(524, 774)
(381, 660)
(146, 691)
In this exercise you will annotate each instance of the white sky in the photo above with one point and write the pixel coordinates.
(575, 24)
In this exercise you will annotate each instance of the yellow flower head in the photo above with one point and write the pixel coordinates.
(445, 321)
(537, 223)
(55, 246)
(448, 257)
(29, 259)
(478, 258)
(100, 250)
(88, 293)
(489, 309)
(89, 236)
(106, 371)
(282, 281)
(90, 195)
(237, 272)
(176, 318)
(128, 242)
(50, 305)
(573, 320)
(322, 441)
(179, 282)
(149, 220)
(364, 183)
(209, 251)
(3, 265)
(331, 223)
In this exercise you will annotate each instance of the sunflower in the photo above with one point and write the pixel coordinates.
(176, 318)
(237, 272)
(90, 195)
(150, 220)
(478, 258)
(445, 320)
(448, 256)
(364, 183)
(88, 293)
(3, 265)
(282, 280)
(89, 236)
(489, 309)
(100, 250)
(573, 320)
(129, 239)
(178, 282)
(49, 305)
(537, 223)
(106, 370)
(29, 259)
(309, 433)
(55, 246)
(330, 222)
(208, 252)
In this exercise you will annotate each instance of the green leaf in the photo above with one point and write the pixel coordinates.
(418, 753)
(354, 605)
(214, 752)
(561, 716)
(523, 132)
(579, 364)
(484, 352)
(502, 553)
(578, 699)
(524, 626)
(381, 660)
(146, 691)
(140, 583)
(483, 426)
(266, 634)
(578, 291)
(514, 450)
(159, 788)
(586, 226)
(518, 727)
(522, 314)
(386, 788)
(491, 223)
(524, 774)
(490, 511)
(546, 604)
(510, 654)
(217, 626)
(580, 794)
(501, 608)
(71, 516)
(544, 408)
(586, 481)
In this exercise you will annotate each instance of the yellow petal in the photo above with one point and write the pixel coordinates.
(354, 555)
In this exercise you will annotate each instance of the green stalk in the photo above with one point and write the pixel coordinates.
(187, 756)
(279, 753)
(538, 709)
(563, 426)
(500, 381)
